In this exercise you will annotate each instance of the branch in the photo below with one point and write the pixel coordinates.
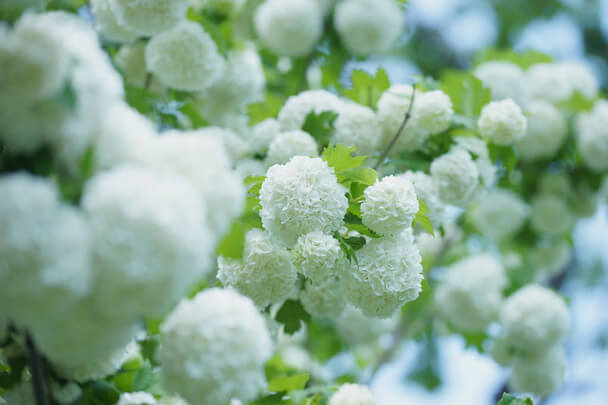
(406, 118)
(148, 80)
(37, 368)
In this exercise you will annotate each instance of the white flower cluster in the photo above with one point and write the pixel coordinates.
(427, 190)
(550, 214)
(431, 114)
(592, 137)
(506, 80)
(499, 214)
(358, 126)
(502, 122)
(296, 108)
(150, 17)
(469, 295)
(546, 132)
(355, 328)
(213, 348)
(534, 322)
(136, 398)
(352, 394)
(559, 81)
(369, 26)
(289, 144)
(456, 176)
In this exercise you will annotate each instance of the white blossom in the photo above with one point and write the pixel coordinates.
(318, 256)
(357, 329)
(504, 79)
(357, 126)
(300, 197)
(540, 375)
(324, 299)
(107, 24)
(369, 26)
(388, 274)
(184, 58)
(265, 274)
(502, 122)
(469, 294)
(289, 27)
(550, 215)
(213, 348)
(534, 318)
(592, 137)
(149, 17)
(427, 190)
(352, 394)
(457, 176)
(136, 398)
(289, 144)
(389, 205)
(546, 132)
(499, 214)
(131, 59)
(478, 149)
(293, 114)
(559, 81)
(548, 258)
(262, 134)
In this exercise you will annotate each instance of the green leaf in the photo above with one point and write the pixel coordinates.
(503, 154)
(367, 89)
(523, 60)
(288, 383)
(421, 218)
(291, 315)
(148, 348)
(340, 158)
(353, 222)
(578, 103)
(255, 183)
(12, 376)
(348, 250)
(320, 126)
(322, 340)
(269, 108)
(233, 244)
(98, 392)
(355, 242)
(190, 111)
(509, 399)
(273, 399)
(467, 93)
(361, 175)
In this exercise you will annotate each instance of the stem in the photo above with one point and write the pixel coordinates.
(37, 368)
(148, 81)
(406, 118)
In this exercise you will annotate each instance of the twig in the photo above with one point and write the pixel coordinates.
(148, 80)
(37, 368)
(406, 118)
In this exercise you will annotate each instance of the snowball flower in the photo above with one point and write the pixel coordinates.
(389, 274)
(318, 256)
(136, 398)
(265, 274)
(45, 250)
(289, 144)
(262, 134)
(352, 394)
(150, 240)
(478, 149)
(592, 137)
(540, 375)
(457, 176)
(504, 79)
(213, 348)
(300, 197)
(250, 167)
(433, 111)
(369, 26)
(499, 214)
(550, 215)
(469, 295)
(546, 132)
(549, 258)
(356, 328)
(296, 108)
(502, 122)
(184, 58)
(390, 205)
(534, 318)
(149, 17)
(357, 126)
(427, 191)
(289, 27)
(108, 26)
(131, 59)
(324, 299)
(559, 81)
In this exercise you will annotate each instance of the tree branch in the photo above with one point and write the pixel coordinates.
(37, 368)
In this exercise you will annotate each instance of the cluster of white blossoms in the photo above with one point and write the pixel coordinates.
(469, 294)
(534, 322)
(289, 144)
(506, 80)
(502, 122)
(547, 130)
(456, 175)
(499, 214)
(352, 394)
(213, 348)
(431, 114)
(294, 27)
(427, 190)
(592, 136)
(550, 214)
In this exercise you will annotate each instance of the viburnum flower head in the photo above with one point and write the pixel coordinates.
(499, 214)
(149, 17)
(369, 26)
(352, 394)
(325, 298)
(357, 126)
(136, 398)
(427, 191)
(546, 132)
(502, 122)
(534, 318)
(107, 24)
(457, 176)
(433, 111)
(300, 197)
(388, 275)
(131, 59)
(318, 256)
(550, 215)
(265, 274)
(478, 149)
(289, 144)
(558, 81)
(592, 137)
(213, 348)
(184, 57)
(390, 205)
(296, 108)
(289, 27)
(262, 134)
(355, 328)
(150, 240)
(504, 79)
(540, 374)
(469, 295)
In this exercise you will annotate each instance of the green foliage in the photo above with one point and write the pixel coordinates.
(285, 383)
(509, 399)
(578, 103)
(505, 155)
(322, 340)
(12, 372)
(98, 392)
(367, 89)
(348, 168)
(320, 126)
(524, 60)
(217, 25)
(421, 218)
(291, 315)
(467, 93)
(269, 108)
